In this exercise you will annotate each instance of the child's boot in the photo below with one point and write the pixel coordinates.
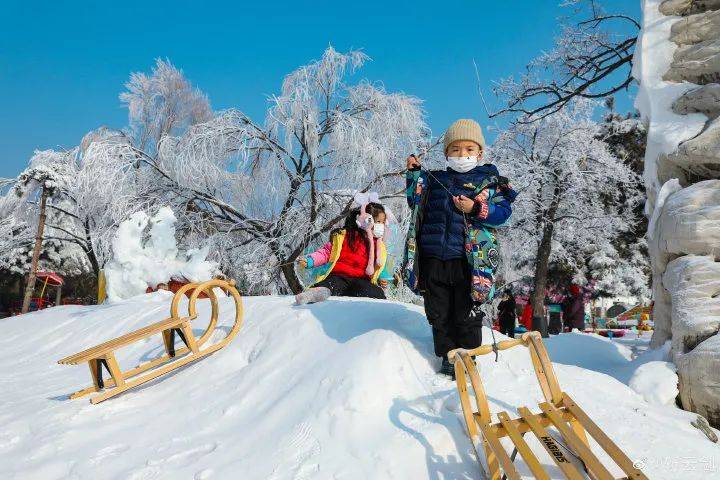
(447, 368)
(312, 295)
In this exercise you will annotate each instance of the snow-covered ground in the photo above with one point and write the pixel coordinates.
(341, 390)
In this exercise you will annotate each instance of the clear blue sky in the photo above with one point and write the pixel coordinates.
(63, 64)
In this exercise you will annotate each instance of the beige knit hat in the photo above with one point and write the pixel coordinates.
(464, 129)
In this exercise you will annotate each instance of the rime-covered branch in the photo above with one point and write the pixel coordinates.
(591, 59)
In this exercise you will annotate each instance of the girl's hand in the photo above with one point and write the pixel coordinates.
(303, 262)
(412, 162)
(383, 283)
(463, 203)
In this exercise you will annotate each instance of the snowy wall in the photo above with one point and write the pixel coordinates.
(677, 63)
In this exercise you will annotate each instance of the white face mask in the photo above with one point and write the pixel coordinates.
(378, 230)
(462, 164)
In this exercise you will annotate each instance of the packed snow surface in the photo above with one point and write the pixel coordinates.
(657, 382)
(345, 389)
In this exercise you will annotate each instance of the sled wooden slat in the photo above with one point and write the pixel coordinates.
(605, 442)
(550, 445)
(559, 411)
(576, 444)
(131, 337)
(523, 427)
(103, 355)
(523, 448)
(497, 448)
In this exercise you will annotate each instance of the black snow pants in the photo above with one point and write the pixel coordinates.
(342, 286)
(446, 285)
(507, 327)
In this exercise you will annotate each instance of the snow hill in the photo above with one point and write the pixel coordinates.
(341, 390)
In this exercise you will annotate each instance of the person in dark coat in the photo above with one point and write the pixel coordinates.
(507, 314)
(574, 309)
(445, 278)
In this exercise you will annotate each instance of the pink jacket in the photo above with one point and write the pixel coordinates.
(322, 255)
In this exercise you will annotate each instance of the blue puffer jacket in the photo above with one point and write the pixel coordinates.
(442, 234)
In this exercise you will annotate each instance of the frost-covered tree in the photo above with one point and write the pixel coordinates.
(94, 189)
(575, 195)
(40, 181)
(104, 191)
(627, 269)
(262, 192)
(14, 231)
(619, 271)
(257, 193)
(162, 103)
(101, 182)
(591, 59)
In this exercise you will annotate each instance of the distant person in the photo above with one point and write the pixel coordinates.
(574, 309)
(352, 263)
(507, 314)
(526, 316)
(445, 203)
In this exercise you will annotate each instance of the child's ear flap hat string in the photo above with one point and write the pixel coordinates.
(365, 221)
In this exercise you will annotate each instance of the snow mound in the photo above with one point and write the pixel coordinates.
(343, 389)
(657, 382)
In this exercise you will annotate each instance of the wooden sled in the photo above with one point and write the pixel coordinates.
(103, 355)
(558, 411)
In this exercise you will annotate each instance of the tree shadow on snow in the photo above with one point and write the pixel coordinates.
(439, 467)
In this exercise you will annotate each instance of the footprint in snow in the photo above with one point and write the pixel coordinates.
(144, 473)
(109, 451)
(185, 457)
(295, 454)
(204, 474)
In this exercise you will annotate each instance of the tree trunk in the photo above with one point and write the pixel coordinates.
(36, 253)
(90, 251)
(292, 278)
(542, 262)
(537, 298)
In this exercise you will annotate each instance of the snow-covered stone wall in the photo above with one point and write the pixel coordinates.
(677, 63)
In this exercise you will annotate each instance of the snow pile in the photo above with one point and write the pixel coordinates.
(138, 263)
(343, 389)
(657, 382)
(690, 220)
(666, 129)
(693, 282)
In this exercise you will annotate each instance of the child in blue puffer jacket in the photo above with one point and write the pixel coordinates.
(451, 237)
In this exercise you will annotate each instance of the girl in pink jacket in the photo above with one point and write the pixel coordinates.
(353, 263)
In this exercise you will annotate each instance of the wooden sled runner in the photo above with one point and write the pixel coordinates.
(103, 355)
(558, 411)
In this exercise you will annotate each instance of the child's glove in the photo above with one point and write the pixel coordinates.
(413, 163)
(463, 203)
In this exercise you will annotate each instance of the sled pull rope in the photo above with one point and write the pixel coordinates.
(489, 315)
(494, 344)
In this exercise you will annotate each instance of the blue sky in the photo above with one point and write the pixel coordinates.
(63, 64)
